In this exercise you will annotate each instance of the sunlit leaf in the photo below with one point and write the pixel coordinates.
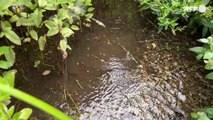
(14, 18)
(50, 7)
(41, 42)
(42, 3)
(50, 24)
(24, 114)
(11, 111)
(63, 45)
(90, 9)
(52, 31)
(75, 27)
(63, 13)
(4, 4)
(37, 17)
(203, 40)
(10, 77)
(25, 22)
(33, 34)
(66, 32)
(9, 55)
(5, 25)
(208, 55)
(12, 36)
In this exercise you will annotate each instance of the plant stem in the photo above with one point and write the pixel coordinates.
(34, 102)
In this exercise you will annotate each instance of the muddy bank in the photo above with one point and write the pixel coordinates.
(125, 71)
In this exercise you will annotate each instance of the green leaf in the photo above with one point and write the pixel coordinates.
(206, 23)
(5, 25)
(5, 4)
(196, 49)
(41, 42)
(50, 7)
(3, 65)
(199, 56)
(210, 110)
(12, 36)
(203, 40)
(11, 111)
(63, 45)
(70, 20)
(37, 17)
(50, 24)
(10, 57)
(87, 2)
(14, 18)
(75, 27)
(42, 3)
(66, 32)
(90, 9)
(1, 34)
(89, 15)
(33, 101)
(24, 114)
(25, 22)
(209, 76)
(63, 13)
(194, 115)
(33, 34)
(208, 55)
(52, 31)
(9, 54)
(10, 77)
(205, 31)
(205, 2)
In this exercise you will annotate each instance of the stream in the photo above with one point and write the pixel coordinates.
(125, 71)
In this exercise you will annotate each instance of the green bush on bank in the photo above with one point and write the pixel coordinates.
(38, 20)
(171, 13)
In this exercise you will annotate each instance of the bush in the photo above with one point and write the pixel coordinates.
(171, 12)
(39, 20)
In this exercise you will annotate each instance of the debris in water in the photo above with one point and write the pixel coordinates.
(98, 22)
(46, 72)
(181, 96)
(77, 81)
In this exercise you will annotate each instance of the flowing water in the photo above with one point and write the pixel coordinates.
(126, 71)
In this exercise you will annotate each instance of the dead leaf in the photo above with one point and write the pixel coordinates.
(46, 72)
(154, 45)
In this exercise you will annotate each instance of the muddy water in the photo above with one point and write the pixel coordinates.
(126, 71)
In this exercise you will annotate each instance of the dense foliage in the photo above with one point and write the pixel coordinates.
(171, 14)
(38, 21)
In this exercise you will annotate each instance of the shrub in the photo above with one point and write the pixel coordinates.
(38, 20)
(170, 12)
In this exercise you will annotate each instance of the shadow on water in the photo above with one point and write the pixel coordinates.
(126, 71)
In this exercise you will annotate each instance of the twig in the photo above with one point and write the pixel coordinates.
(77, 81)
(128, 53)
(102, 60)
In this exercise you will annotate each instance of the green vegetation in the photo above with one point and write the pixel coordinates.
(206, 54)
(171, 14)
(39, 20)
